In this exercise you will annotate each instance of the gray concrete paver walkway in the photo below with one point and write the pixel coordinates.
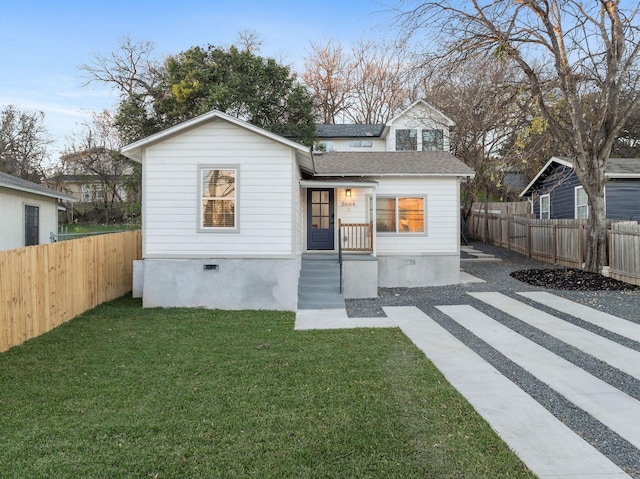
(548, 447)
(598, 398)
(617, 355)
(598, 318)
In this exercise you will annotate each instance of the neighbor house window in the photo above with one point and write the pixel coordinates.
(399, 215)
(582, 205)
(432, 140)
(406, 140)
(91, 193)
(360, 144)
(218, 194)
(31, 225)
(545, 207)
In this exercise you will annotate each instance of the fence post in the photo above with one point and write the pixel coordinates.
(528, 240)
(580, 245)
(554, 243)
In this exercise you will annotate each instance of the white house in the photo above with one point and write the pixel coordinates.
(229, 209)
(28, 212)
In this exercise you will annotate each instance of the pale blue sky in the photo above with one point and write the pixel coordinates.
(43, 42)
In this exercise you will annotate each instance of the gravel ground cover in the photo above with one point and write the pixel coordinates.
(502, 277)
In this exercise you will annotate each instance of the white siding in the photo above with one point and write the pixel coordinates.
(265, 186)
(354, 209)
(442, 216)
(299, 217)
(12, 204)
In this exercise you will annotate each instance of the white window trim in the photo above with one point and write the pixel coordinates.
(575, 203)
(397, 232)
(223, 230)
(549, 210)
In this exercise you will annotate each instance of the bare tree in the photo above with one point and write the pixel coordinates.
(327, 75)
(586, 54)
(132, 68)
(482, 97)
(110, 178)
(24, 143)
(378, 82)
(249, 41)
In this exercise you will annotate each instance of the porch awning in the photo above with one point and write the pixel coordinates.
(339, 183)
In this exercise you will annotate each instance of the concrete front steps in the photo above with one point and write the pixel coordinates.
(319, 283)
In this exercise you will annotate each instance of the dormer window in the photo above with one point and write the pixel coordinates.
(432, 140)
(407, 140)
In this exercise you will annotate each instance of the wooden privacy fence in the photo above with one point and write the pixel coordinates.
(44, 286)
(554, 241)
(560, 241)
(624, 252)
(519, 208)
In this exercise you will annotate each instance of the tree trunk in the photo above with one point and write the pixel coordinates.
(596, 247)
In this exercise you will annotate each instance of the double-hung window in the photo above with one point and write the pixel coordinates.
(582, 204)
(545, 207)
(400, 215)
(219, 198)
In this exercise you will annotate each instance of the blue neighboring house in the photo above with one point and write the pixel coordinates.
(555, 192)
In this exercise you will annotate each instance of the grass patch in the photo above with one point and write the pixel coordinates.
(99, 228)
(123, 392)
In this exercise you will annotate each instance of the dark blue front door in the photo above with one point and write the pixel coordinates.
(320, 219)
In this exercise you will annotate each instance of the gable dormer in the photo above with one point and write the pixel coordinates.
(420, 127)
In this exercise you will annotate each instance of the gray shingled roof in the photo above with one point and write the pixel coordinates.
(15, 183)
(389, 163)
(348, 131)
(623, 166)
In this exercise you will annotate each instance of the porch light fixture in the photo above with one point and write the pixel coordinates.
(347, 192)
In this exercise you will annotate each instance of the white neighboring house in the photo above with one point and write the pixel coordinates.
(28, 212)
(228, 210)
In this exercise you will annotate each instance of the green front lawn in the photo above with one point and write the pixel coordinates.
(122, 392)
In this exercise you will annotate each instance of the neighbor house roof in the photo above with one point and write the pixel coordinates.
(348, 131)
(389, 163)
(445, 119)
(617, 168)
(15, 183)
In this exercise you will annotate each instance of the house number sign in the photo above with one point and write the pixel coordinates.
(347, 204)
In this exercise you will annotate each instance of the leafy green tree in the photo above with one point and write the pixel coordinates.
(158, 94)
(240, 83)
